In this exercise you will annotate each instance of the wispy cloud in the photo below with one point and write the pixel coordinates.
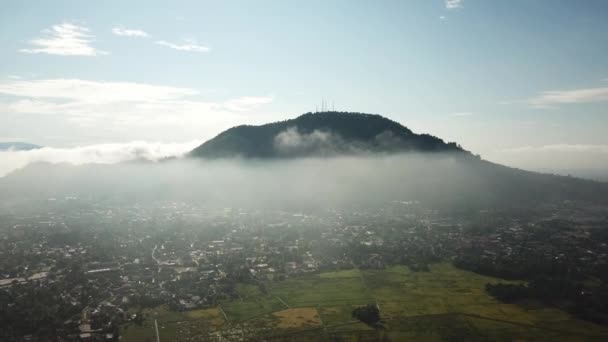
(453, 4)
(98, 154)
(65, 39)
(92, 92)
(125, 32)
(188, 45)
(553, 98)
(442, 17)
(577, 148)
(41, 95)
(122, 106)
(460, 114)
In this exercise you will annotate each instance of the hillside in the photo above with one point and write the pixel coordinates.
(360, 164)
(320, 134)
(452, 176)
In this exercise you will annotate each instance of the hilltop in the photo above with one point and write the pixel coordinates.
(321, 134)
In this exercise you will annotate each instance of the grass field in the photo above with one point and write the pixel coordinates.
(174, 325)
(320, 290)
(297, 318)
(445, 303)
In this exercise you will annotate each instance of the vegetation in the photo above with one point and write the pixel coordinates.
(368, 314)
(590, 306)
(445, 304)
(337, 133)
(222, 272)
(341, 133)
(508, 293)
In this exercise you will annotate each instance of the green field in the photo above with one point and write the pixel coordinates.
(444, 304)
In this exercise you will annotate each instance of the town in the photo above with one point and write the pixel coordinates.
(84, 269)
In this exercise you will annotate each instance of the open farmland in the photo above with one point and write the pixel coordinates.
(445, 303)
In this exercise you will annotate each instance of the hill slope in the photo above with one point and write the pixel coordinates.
(320, 134)
(453, 175)
(363, 170)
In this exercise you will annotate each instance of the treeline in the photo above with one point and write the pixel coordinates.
(590, 305)
(550, 283)
(514, 269)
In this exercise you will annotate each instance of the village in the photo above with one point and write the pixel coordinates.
(102, 264)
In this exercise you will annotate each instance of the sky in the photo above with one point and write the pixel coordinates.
(523, 83)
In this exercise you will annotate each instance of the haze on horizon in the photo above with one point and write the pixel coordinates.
(520, 83)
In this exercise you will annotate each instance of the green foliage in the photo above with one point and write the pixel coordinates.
(346, 133)
(445, 303)
(508, 293)
(368, 314)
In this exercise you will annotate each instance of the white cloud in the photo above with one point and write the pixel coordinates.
(92, 91)
(452, 4)
(548, 99)
(442, 17)
(457, 114)
(65, 39)
(71, 95)
(121, 31)
(292, 141)
(144, 111)
(189, 45)
(99, 154)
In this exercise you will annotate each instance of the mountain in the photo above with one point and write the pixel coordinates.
(367, 170)
(320, 134)
(454, 175)
(17, 146)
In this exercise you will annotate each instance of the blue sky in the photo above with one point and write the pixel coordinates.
(520, 82)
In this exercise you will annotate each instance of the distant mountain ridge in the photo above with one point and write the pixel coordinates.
(321, 134)
(17, 146)
(265, 168)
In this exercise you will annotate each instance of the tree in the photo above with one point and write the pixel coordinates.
(369, 314)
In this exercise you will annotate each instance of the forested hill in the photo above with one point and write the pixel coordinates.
(457, 176)
(440, 174)
(320, 134)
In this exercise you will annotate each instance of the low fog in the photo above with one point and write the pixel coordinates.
(448, 180)
(12, 160)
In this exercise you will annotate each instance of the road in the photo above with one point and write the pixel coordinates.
(156, 329)
(153, 257)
